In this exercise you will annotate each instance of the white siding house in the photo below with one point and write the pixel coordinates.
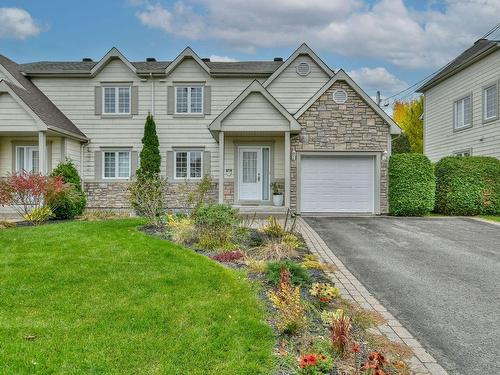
(461, 105)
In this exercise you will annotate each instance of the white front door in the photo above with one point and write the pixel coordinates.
(250, 175)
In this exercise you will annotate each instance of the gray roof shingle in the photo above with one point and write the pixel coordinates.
(37, 101)
(479, 48)
(216, 67)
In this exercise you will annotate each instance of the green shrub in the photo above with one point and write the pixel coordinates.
(411, 185)
(216, 225)
(298, 273)
(150, 158)
(468, 185)
(70, 203)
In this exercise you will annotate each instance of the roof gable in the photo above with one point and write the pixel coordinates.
(343, 76)
(302, 50)
(187, 53)
(9, 88)
(254, 87)
(112, 54)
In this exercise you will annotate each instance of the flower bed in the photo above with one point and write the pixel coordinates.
(317, 332)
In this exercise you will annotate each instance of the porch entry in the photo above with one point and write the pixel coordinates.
(254, 177)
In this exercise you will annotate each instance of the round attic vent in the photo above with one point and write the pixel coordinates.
(339, 96)
(303, 69)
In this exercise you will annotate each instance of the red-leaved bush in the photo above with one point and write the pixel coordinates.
(228, 256)
(26, 191)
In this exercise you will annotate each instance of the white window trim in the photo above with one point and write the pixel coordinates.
(189, 87)
(117, 100)
(116, 164)
(188, 169)
(455, 112)
(495, 116)
(27, 147)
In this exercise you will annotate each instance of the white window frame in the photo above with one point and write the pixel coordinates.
(456, 103)
(117, 100)
(188, 167)
(485, 103)
(116, 152)
(26, 154)
(189, 87)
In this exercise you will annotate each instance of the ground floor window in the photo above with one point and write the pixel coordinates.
(116, 164)
(467, 152)
(27, 159)
(188, 164)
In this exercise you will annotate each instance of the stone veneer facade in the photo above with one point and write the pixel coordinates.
(352, 126)
(113, 195)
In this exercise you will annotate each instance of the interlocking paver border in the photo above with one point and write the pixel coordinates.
(351, 289)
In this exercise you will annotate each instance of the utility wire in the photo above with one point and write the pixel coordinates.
(386, 100)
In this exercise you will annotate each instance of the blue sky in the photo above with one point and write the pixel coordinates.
(383, 44)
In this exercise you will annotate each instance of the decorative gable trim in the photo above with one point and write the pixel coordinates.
(187, 53)
(302, 50)
(4, 88)
(112, 54)
(343, 76)
(254, 87)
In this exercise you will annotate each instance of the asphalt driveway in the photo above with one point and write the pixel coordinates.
(439, 276)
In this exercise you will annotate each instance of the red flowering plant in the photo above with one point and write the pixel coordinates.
(375, 365)
(315, 364)
(29, 192)
(229, 256)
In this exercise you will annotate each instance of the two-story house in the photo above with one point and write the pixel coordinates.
(461, 105)
(245, 124)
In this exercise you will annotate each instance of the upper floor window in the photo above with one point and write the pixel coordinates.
(490, 102)
(188, 164)
(116, 100)
(189, 99)
(116, 164)
(462, 112)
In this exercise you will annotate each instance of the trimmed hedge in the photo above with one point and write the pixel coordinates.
(468, 185)
(411, 185)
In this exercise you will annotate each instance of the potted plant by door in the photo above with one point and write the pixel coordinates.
(277, 194)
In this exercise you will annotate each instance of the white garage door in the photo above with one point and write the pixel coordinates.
(337, 184)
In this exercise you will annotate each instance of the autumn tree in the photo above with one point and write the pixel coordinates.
(409, 116)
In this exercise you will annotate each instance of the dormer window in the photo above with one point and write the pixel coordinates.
(189, 99)
(116, 100)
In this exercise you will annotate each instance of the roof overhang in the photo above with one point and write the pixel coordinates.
(111, 55)
(431, 82)
(343, 76)
(255, 87)
(42, 126)
(302, 50)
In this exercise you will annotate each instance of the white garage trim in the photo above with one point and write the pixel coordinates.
(376, 155)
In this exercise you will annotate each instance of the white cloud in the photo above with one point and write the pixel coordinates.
(387, 30)
(373, 79)
(17, 23)
(222, 58)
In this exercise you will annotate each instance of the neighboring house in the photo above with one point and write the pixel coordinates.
(461, 105)
(245, 124)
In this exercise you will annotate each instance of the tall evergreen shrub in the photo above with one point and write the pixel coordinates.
(150, 153)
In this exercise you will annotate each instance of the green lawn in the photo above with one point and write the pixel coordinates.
(492, 218)
(103, 298)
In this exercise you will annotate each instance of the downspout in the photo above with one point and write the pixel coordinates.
(152, 93)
